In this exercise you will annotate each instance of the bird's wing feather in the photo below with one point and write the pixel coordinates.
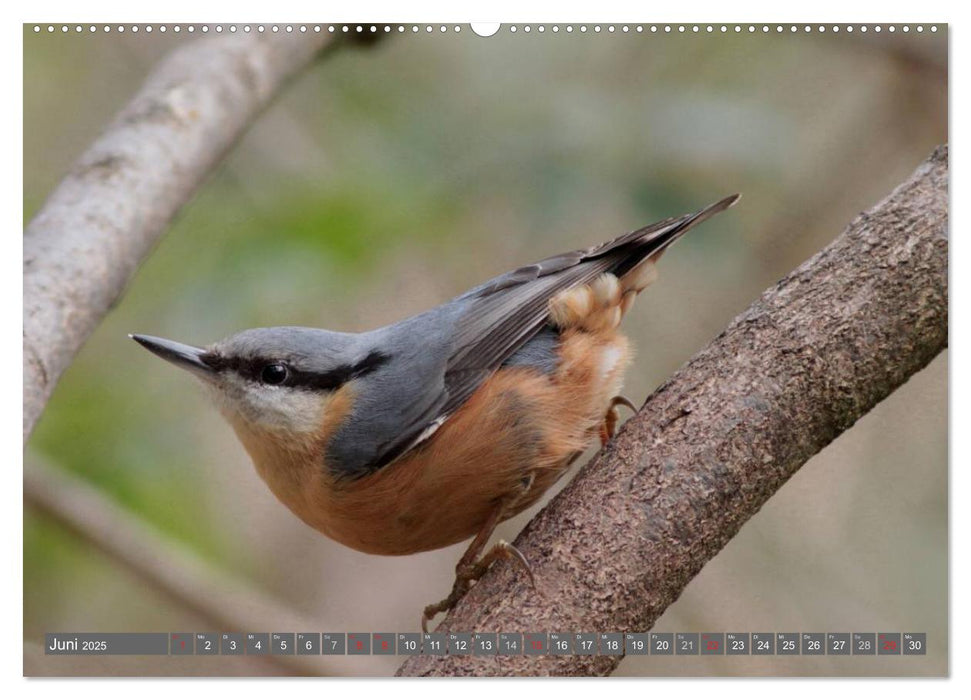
(503, 314)
(509, 310)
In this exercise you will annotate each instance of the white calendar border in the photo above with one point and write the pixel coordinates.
(509, 10)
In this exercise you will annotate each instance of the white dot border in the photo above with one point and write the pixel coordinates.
(511, 29)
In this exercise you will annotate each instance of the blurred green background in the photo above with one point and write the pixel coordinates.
(385, 180)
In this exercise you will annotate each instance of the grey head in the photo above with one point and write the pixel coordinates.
(274, 378)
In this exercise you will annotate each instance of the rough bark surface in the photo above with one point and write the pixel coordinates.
(815, 353)
(104, 217)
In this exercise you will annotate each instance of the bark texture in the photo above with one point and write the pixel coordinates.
(104, 217)
(815, 353)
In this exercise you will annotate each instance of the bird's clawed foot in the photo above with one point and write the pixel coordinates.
(467, 574)
(609, 426)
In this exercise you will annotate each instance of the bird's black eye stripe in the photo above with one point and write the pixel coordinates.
(276, 372)
(340, 375)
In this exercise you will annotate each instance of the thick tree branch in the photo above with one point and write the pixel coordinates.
(104, 217)
(815, 353)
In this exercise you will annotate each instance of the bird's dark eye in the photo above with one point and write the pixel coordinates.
(276, 373)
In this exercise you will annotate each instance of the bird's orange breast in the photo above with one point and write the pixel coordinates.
(509, 442)
(514, 437)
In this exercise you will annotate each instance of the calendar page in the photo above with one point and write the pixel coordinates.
(545, 348)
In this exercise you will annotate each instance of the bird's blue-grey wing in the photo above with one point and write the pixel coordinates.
(506, 312)
(451, 350)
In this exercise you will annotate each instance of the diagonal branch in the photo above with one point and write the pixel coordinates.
(815, 353)
(228, 604)
(94, 230)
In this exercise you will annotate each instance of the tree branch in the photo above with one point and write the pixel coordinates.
(93, 231)
(226, 603)
(815, 353)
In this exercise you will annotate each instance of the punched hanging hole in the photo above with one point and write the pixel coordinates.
(485, 29)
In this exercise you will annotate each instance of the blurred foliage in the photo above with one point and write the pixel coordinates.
(385, 180)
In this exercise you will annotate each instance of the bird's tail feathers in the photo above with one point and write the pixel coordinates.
(629, 265)
(644, 271)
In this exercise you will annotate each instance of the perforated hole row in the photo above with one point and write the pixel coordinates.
(514, 28)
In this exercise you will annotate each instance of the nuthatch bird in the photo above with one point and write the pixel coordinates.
(437, 428)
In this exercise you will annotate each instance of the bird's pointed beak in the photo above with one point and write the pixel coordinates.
(185, 356)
